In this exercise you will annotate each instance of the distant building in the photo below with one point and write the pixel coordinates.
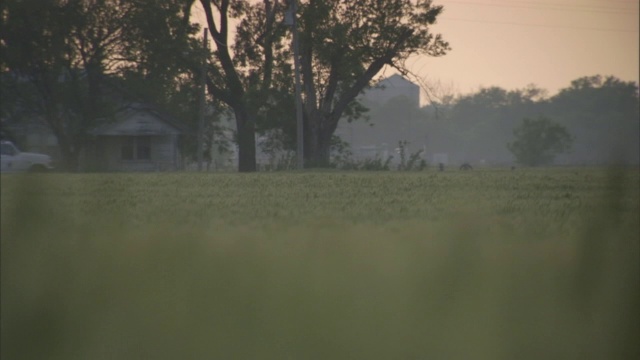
(141, 138)
(391, 87)
(379, 137)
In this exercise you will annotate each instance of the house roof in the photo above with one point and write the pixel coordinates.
(136, 119)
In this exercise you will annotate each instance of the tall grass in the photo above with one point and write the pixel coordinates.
(456, 265)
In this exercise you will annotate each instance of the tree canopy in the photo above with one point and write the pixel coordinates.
(61, 58)
(248, 73)
(538, 141)
(603, 113)
(344, 44)
(63, 61)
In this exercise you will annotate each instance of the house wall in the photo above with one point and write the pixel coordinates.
(139, 124)
(165, 155)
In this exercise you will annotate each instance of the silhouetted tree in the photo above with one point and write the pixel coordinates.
(57, 55)
(483, 121)
(241, 73)
(538, 141)
(343, 45)
(603, 114)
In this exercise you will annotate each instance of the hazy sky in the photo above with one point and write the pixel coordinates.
(512, 43)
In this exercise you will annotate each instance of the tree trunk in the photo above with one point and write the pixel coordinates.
(70, 155)
(69, 151)
(317, 147)
(320, 155)
(70, 158)
(246, 142)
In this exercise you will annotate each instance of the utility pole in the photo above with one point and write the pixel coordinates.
(203, 99)
(291, 20)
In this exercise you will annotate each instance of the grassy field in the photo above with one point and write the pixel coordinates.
(486, 264)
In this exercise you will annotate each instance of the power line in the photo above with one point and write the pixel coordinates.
(553, 7)
(584, 4)
(623, 4)
(615, 11)
(541, 25)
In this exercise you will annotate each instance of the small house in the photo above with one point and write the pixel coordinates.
(138, 138)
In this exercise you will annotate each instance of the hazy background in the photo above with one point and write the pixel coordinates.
(514, 43)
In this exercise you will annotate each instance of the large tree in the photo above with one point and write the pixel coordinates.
(39, 61)
(344, 45)
(59, 54)
(241, 74)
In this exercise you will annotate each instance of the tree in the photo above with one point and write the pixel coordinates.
(241, 74)
(538, 141)
(603, 114)
(484, 121)
(343, 45)
(36, 56)
(58, 55)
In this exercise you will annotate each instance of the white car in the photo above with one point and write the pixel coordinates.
(14, 160)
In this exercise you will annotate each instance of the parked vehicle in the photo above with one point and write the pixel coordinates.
(14, 160)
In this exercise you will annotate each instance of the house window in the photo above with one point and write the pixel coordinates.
(136, 148)
(127, 148)
(143, 147)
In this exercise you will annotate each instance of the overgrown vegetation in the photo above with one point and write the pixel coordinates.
(344, 159)
(489, 264)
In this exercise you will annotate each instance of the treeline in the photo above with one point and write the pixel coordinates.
(600, 113)
(70, 62)
(68, 65)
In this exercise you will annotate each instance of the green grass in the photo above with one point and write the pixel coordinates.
(488, 264)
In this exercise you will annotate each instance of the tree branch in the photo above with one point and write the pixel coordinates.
(231, 77)
(364, 79)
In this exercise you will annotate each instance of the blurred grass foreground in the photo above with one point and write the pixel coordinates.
(489, 264)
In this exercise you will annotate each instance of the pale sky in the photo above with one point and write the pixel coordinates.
(513, 43)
